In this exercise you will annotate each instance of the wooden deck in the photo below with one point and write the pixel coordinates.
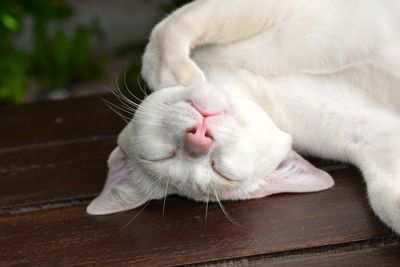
(52, 163)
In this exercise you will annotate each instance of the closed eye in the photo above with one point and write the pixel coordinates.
(161, 159)
(219, 173)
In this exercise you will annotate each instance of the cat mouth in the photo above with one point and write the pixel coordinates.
(205, 112)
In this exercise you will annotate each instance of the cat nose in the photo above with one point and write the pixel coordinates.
(198, 142)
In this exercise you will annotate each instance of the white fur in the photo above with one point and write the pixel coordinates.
(323, 76)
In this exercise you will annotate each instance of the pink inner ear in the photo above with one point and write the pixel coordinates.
(117, 169)
(297, 175)
(121, 191)
(116, 196)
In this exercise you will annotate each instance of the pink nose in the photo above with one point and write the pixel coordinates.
(197, 142)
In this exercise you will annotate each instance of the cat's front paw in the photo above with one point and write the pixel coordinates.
(385, 201)
(166, 63)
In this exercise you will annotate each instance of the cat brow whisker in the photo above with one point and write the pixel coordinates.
(129, 90)
(120, 108)
(225, 211)
(125, 101)
(125, 98)
(122, 100)
(114, 108)
(117, 85)
(123, 117)
(138, 82)
(128, 109)
(140, 85)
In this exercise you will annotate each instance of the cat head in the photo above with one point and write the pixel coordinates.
(204, 144)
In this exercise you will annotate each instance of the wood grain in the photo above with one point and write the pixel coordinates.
(55, 173)
(53, 121)
(384, 256)
(53, 161)
(279, 223)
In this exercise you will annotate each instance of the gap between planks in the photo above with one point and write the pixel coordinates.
(22, 147)
(46, 205)
(277, 257)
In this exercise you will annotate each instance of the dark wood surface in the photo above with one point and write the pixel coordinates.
(387, 256)
(55, 121)
(49, 174)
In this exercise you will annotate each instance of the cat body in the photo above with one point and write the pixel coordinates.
(240, 84)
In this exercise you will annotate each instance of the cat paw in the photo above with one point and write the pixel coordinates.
(167, 63)
(385, 201)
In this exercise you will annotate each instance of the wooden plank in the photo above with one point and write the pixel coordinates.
(274, 224)
(52, 121)
(34, 177)
(53, 174)
(65, 169)
(384, 256)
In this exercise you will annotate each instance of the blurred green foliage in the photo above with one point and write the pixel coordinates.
(131, 77)
(56, 58)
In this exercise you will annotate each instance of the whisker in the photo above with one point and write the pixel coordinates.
(141, 210)
(137, 98)
(125, 101)
(120, 108)
(140, 85)
(125, 98)
(129, 105)
(129, 90)
(153, 109)
(130, 110)
(165, 197)
(132, 106)
(225, 211)
(157, 112)
(123, 117)
(134, 217)
(206, 213)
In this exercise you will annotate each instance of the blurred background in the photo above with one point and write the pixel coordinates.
(55, 49)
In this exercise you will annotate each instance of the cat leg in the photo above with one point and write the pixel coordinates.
(366, 135)
(289, 36)
(166, 61)
(313, 39)
(380, 164)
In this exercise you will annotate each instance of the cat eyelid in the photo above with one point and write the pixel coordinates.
(162, 159)
(227, 179)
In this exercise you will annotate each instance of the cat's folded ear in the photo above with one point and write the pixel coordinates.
(295, 175)
(118, 193)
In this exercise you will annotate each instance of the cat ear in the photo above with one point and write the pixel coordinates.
(296, 175)
(119, 193)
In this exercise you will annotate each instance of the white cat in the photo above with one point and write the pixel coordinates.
(242, 82)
